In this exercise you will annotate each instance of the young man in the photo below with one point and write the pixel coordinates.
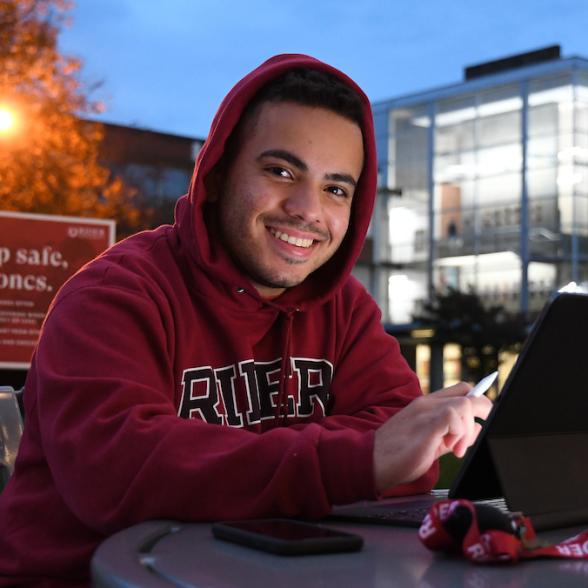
(228, 366)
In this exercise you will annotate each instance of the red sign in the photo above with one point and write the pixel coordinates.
(38, 253)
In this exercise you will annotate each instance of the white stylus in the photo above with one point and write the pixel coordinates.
(482, 385)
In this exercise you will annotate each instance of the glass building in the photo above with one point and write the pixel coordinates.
(483, 185)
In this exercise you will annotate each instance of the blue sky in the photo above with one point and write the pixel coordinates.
(166, 64)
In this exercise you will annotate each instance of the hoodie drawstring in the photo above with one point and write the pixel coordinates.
(286, 365)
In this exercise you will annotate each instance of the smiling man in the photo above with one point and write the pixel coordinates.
(228, 366)
(287, 194)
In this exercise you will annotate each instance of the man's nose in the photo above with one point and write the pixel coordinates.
(305, 202)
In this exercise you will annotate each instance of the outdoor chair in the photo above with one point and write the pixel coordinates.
(11, 425)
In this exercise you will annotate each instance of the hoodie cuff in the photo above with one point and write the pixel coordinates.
(347, 466)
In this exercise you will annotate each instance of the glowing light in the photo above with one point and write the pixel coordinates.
(8, 120)
(422, 333)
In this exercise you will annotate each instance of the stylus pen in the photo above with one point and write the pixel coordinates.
(483, 385)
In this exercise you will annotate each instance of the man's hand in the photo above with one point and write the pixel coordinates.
(430, 426)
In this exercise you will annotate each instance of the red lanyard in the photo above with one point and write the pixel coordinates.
(484, 534)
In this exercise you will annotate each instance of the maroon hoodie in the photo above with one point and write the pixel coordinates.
(156, 391)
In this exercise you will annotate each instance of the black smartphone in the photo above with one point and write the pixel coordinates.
(286, 536)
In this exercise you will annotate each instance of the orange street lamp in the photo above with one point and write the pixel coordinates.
(8, 120)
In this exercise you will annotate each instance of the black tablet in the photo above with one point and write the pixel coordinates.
(533, 448)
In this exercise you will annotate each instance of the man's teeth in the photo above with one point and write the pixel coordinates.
(292, 240)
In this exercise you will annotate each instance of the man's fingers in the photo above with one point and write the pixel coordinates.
(460, 448)
(481, 407)
(459, 389)
(456, 425)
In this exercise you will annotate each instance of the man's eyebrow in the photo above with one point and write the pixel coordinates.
(286, 156)
(336, 177)
(297, 162)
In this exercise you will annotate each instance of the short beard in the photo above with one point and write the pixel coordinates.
(271, 282)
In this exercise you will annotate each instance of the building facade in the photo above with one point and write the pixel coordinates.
(483, 185)
(157, 165)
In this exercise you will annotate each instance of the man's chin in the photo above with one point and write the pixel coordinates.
(279, 282)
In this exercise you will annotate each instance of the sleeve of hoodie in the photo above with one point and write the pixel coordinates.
(371, 382)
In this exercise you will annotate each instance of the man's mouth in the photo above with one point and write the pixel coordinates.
(305, 243)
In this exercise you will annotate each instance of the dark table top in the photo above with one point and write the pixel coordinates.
(159, 554)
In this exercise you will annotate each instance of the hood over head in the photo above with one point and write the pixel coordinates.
(203, 241)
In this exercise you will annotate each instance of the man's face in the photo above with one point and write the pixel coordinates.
(285, 200)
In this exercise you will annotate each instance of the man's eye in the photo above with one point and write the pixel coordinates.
(279, 171)
(337, 191)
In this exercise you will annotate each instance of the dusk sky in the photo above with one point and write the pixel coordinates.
(166, 64)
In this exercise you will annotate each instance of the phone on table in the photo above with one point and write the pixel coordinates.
(286, 536)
